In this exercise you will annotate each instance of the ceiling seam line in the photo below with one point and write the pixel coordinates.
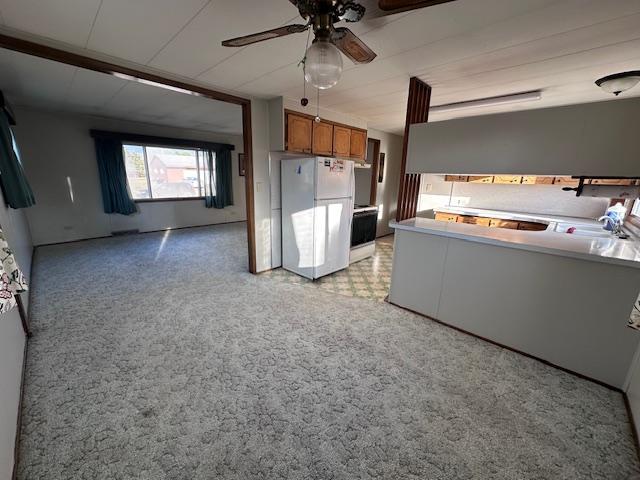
(292, 63)
(421, 72)
(418, 74)
(498, 49)
(207, 70)
(391, 56)
(178, 32)
(93, 24)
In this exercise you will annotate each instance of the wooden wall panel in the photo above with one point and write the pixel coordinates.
(417, 112)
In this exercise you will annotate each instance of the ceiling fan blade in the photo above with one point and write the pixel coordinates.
(395, 6)
(352, 46)
(380, 8)
(266, 35)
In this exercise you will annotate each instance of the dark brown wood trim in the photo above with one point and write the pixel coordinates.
(69, 58)
(417, 112)
(248, 182)
(506, 347)
(16, 444)
(24, 318)
(373, 194)
(159, 141)
(634, 430)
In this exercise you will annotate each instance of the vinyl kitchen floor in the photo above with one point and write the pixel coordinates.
(368, 278)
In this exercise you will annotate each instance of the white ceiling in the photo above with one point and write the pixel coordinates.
(465, 50)
(35, 82)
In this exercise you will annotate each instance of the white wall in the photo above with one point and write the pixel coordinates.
(12, 339)
(261, 182)
(387, 192)
(57, 145)
(549, 199)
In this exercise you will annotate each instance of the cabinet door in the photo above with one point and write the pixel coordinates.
(322, 138)
(568, 181)
(358, 148)
(499, 223)
(532, 226)
(480, 179)
(341, 141)
(508, 179)
(446, 217)
(456, 178)
(611, 181)
(299, 132)
(543, 180)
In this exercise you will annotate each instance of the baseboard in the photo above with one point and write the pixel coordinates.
(634, 429)
(506, 347)
(138, 233)
(16, 446)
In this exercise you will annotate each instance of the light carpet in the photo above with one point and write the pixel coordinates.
(156, 356)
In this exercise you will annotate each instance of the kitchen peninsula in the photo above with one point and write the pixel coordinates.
(561, 298)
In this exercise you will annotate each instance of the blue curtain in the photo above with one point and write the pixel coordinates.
(224, 179)
(219, 181)
(15, 187)
(113, 177)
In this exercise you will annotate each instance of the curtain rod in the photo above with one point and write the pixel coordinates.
(160, 141)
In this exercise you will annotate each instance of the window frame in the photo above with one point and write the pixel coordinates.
(199, 151)
(634, 218)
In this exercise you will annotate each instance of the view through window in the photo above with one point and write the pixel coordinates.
(155, 172)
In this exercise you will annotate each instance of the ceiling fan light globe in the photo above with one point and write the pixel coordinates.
(323, 65)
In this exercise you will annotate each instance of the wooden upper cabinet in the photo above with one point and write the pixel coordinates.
(480, 179)
(611, 181)
(446, 217)
(322, 138)
(456, 178)
(568, 181)
(299, 133)
(507, 179)
(341, 141)
(358, 148)
(499, 223)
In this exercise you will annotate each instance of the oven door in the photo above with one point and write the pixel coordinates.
(363, 227)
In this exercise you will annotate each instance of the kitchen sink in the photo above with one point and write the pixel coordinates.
(594, 231)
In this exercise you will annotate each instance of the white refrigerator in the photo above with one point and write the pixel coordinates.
(317, 207)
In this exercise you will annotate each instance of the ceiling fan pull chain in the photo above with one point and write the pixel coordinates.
(317, 119)
(304, 101)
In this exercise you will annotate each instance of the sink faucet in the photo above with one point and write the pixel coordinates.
(616, 227)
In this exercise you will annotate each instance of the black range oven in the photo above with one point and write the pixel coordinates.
(363, 225)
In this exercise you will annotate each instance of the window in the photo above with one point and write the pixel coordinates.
(155, 172)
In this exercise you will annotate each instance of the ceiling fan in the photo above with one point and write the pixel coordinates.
(323, 63)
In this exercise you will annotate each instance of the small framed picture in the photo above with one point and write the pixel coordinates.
(381, 168)
(241, 164)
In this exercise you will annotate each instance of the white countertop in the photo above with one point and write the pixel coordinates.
(610, 250)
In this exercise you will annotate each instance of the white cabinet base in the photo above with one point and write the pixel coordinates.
(568, 312)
